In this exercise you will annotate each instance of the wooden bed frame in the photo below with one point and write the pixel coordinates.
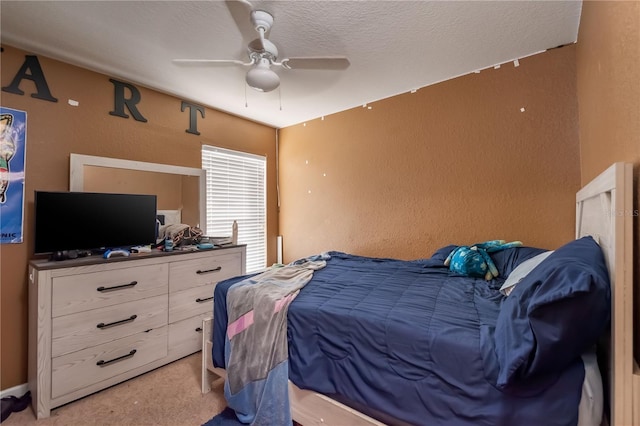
(604, 210)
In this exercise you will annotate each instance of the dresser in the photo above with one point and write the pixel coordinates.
(95, 322)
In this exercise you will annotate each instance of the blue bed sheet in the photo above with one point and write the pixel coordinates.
(409, 340)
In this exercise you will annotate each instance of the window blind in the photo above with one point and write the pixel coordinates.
(236, 190)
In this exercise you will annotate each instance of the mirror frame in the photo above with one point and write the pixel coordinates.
(79, 161)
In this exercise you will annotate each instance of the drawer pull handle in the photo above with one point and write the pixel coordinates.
(199, 329)
(111, 324)
(200, 300)
(117, 287)
(206, 271)
(103, 363)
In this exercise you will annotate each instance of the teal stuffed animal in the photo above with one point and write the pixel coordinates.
(474, 261)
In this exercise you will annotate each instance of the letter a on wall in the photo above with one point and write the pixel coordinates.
(31, 70)
(13, 143)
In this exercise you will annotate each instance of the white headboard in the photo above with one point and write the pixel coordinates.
(604, 210)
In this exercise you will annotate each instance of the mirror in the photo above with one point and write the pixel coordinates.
(180, 190)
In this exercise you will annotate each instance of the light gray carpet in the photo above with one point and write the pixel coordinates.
(169, 395)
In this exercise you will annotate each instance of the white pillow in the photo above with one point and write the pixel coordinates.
(521, 271)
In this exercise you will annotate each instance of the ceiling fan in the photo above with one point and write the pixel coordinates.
(263, 54)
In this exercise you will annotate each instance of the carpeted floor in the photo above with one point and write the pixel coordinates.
(169, 395)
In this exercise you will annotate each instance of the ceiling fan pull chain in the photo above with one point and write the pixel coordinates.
(280, 96)
(246, 105)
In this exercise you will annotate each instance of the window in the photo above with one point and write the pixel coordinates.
(236, 190)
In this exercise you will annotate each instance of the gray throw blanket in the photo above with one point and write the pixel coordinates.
(256, 340)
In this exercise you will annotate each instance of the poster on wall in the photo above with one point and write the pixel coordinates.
(13, 144)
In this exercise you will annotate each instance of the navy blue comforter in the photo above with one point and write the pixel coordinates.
(409, 340)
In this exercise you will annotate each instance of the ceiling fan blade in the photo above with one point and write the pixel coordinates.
(240, 11)
(317, 63)
(189, 62)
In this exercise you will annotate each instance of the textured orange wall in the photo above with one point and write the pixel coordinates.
(54, 130)
(457, 162)
(608, 75)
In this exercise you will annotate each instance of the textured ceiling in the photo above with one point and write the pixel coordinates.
(393, 46)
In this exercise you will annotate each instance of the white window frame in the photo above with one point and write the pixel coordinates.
(245, 200)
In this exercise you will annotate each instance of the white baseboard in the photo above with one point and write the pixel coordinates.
(17, 391)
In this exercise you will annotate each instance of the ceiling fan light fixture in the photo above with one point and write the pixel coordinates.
(262, 78)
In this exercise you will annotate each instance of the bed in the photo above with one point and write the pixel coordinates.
(376, 341)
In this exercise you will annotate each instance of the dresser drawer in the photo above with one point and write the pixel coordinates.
(71, 333)
(185, 337)
(206, 270)
(82, 292)
(187, 303)
(80, 369)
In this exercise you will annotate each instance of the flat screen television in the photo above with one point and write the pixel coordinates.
(92, 221)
